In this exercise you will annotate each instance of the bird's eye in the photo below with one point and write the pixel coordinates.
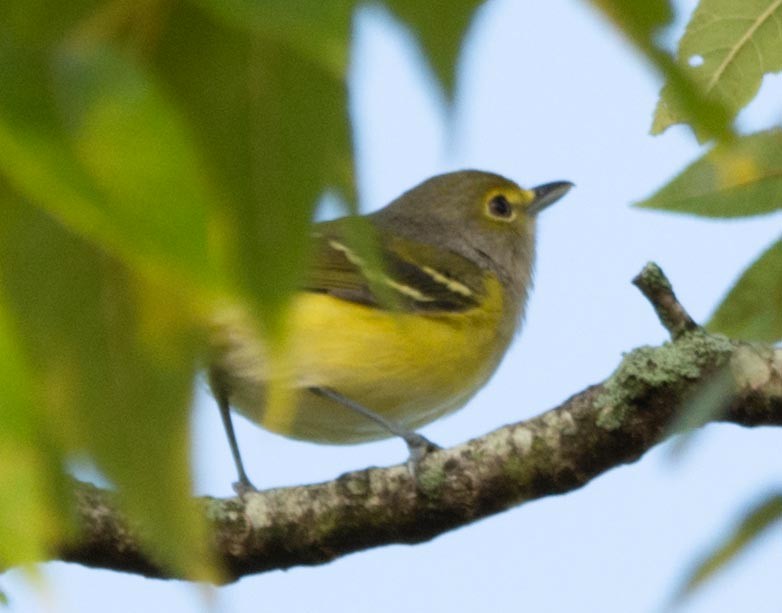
(500, 207)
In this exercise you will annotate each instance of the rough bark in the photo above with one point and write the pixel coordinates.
(605, 425)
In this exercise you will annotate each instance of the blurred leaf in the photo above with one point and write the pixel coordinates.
(31, 516)
(113, 162)
(138, 151)
(115, 360)
(641, 22)
(753, 525)
(440, 26)
(92, 134)
(752, 309)
(272, 121)
(319, 30)
(744, 178)
(708, 403)
(89, 135)
(29, 23)
(128, 123)
(727, 48)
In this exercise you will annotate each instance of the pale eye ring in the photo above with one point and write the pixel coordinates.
(500, 208)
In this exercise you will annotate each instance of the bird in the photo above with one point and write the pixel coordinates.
(402, 316)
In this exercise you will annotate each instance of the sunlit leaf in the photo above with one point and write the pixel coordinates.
(752, 309)
(762, 516)
(744, 178)
(727, 48)
(641, 23)
(440, 26)
(114, 356)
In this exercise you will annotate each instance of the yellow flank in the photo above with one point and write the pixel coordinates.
(409, 367)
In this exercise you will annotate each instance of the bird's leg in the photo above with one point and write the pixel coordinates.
(243, 485)
(418, 446)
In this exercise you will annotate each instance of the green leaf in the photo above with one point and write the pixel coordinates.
(642, 22)
(112, 160)
(153, 149)
(31, 516)
(727, 48)
(137, 149)
(762, 516)
(752, 309)
(107, 220)
(272, 120)
(742, 179)
(440, 26)
(639, 22)
(309, 27)
(241, 101)
(114, 356)
(29, 23)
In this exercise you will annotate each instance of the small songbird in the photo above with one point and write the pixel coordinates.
(380, 348)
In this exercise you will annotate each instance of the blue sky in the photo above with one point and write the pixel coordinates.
(546, 91)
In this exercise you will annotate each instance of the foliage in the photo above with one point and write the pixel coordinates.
(163, 156)
(642, 24)
(727, 49)
(734, 181)
(761, 516)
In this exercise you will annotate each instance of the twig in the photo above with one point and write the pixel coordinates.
(655, 286)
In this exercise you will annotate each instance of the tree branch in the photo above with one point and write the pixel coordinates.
(608, 424)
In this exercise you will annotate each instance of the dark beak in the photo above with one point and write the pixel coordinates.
(547, 194)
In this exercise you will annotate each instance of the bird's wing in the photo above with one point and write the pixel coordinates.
(408, 276)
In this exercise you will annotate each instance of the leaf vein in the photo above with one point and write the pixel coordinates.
(745, 38)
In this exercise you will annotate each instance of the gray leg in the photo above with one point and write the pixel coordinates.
(243, 485)
(417, 445)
